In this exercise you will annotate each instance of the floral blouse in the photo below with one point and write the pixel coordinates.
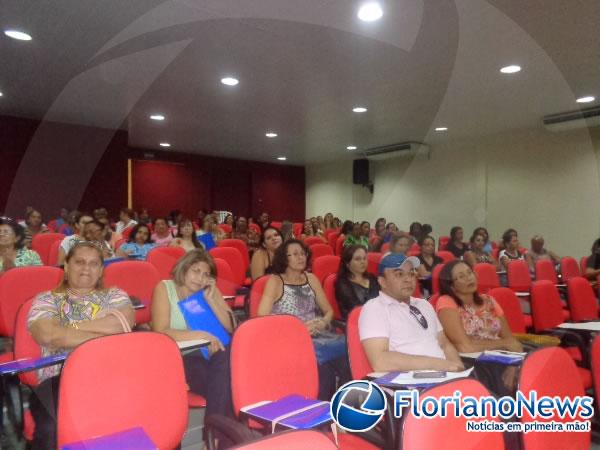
(479, 322)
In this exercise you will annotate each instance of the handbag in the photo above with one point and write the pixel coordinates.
(329, 346)
(119, 315)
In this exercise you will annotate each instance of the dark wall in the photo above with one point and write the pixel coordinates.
(32, 174)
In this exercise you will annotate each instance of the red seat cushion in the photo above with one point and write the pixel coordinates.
(566, 314)
(348, 441)
(574, 352)
(528, 320)
(248, 281)
(196, 401)
(586, 377)
(6, 357)
(28, 425)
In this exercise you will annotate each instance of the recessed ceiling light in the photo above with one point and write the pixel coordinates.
(270, 134)
(230, 81)
(351, 147)
(370, 12)
(1, 94)
(281, 158)
(19, 35)
(511, 69)
(157, 117)
(587, 99)
(441, 129)
(165, 144)
(359, 109)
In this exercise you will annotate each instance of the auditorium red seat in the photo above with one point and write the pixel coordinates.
(544, 270)
(385, 247)
(433, 300)
(332, 238)
(569, 268)
(256, 292)
(546, 307)
(582, 301)
(225, 227)
(519, 279)
(325, 265)
(318, 250)
(435, 278)
(373, 259)
(235, 260)
(329, 288)
(164, 259)
(511, 306)
(227, 284)
(255, 228)
(241, 246)
(139, 382)
(339, 244)
(359, 363)
(446, 256)
(583, 263)
(313, 240)
(53, 253)
(52, 226)
(297, 228)
(291, 440)
(41, 243)
(126, 232)
(276, 225)
(487, 278)
(443, 242)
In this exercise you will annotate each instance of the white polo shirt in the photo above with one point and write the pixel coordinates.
(385, 317)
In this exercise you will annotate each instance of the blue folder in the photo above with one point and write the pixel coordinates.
(207, 241)
(200, 317)
(310, 418)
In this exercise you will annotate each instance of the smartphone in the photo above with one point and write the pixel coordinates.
(432, 374)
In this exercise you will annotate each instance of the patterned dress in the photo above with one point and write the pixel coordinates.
(25, 257)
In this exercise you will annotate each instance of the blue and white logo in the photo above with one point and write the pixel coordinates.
(358, 406)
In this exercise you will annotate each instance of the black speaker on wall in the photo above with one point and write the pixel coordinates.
(360, 171)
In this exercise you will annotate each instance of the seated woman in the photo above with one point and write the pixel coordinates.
(262, 259)
(390, 230)
(79, 309)
(487, 247)
(328, 221)
(186, 236)
(77, 220)
(477, 253)
(354, 285)
(292, 290)
(428, 260)
(455, 245)
(593, 262)
(399, 243)
(242, 232)
(138, 245)
(472, 322)
(287, 230)
(126, 220)
(95, 232)
(355, 237)
(210, 378)
(211, 226)
(416, 231)
(33, 225)
(377, 235)
(13, 253)
(510, 241)
(311, 231)
(162, 236)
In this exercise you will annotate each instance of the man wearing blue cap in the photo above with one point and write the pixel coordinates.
(400, 332)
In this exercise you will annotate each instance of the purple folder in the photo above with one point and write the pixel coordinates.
(26, 365)
(310, 418)
(386, 380)
(509, 360)
(132, 439)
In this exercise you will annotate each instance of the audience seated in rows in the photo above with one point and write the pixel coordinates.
(538, 252)
(138, 245)
(210, 377)
(455, 245)
(477, 253)
(13, 252)
(262, 259)
(186, 236)
(76, 311)
(243, 233)
(311, 230)
(33, 225)
(354, 286)
(211, 226)
(357, 236)
(161, 236)
(593, 262)
(125, 220)
(78, 222)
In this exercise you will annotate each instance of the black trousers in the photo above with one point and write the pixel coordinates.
(43, 403)
(211, 379)
(333, 374)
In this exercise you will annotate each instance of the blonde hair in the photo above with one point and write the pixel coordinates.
(192, 257)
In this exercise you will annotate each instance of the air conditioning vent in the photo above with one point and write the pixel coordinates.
(395, 150)
(584, 118)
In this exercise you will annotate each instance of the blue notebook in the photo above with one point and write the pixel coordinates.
(200, 317)
(28, 364)
(207, 241)
(309, 418)
(506, 358)
(133, 439)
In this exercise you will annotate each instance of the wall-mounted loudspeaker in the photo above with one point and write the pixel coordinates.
(360, 171)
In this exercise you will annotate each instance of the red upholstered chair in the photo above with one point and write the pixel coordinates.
(297, 228)
(329, 288)
(53, 253)
(126, 232)
(332, 238)
(433, 300)
(318, 250)
(164, 259)
(385, 247)
(511, 306)
(325, 265)
(291, 440)
(446, 256)
(52, 226)
(276, 225)
(241, 246)
(256, 292)
(65, 229)
(373, 259)
(551, 372)
(583, 263)
(582, 301)
(127, 381)
(339, 244)
(487, 278)
(312, 240)
(41, 243)
(225, 227)
(331, 231)
(435, 278)
(138, 279)
(519, 278)
(443, 242)
(544, 270)
(359, 363)
(546, 307)
(450, 432)
(569, 268)
(256, 228)
(235, 260)
(227, 284)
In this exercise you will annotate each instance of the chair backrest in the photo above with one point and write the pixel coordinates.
(582, 301)
(450, 432)
(544, 270)
(138, 279)
(320, 250)
(325, 265)
(331, 231)
(127, 232)
(271, 357)
(235, 260)
(443, 242)
(569, 268)
(42, 242)
(291, 440)
(126, 380)
(52, 226)
(433, 300)
(359, 363)
(25, 346)
(373, 259)
(551, 372)
(241, 246)
(511, 306)
(53, 253)
(435, 278)
(329, 288)
(487, 278)
(255, 227)
(256, 292)
(226, 281)
(276, 225)
(297, 228)
(546, 308)
(312, 240)
(225, 227)
(385, 247)
(164, 259)
(446, 256)
(339, 244)
(332, 238)
(519, 279)
(583, 263)
(19, 285)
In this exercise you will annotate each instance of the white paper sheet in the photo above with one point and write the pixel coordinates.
(407, 377)
(590, 326)
(191, 344)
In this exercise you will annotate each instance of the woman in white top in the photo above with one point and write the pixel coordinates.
(511, 249)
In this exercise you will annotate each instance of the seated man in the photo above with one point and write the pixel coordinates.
(400, 332)
(538, 251)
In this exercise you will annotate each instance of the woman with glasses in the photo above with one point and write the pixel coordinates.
(13, 252)
(292, 290)
(473, 322)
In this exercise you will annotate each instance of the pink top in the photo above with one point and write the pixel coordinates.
(162, 242)
(479, 322)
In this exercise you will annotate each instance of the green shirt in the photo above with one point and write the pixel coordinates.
(25, 257)
(362, 240)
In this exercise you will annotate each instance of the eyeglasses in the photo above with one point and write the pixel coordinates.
(417, 314)
(464, 276)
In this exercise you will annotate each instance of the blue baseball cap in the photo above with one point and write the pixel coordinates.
(395, 260)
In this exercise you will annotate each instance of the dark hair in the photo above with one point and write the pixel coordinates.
(262, 236)
(280, 260)
(508, 234)
(17, 229)
(347, 255)
(194, 237)
(135, 230)
(347, 227)
(64, 284)
(474, 236)
(29, 213)
(426, 237)
(98, 223)
(595, 245)
(156, 219)
(415, 229)
(480, 230)
(128, 211)
(426, 229)
(446, 283)
(453, 232)
(379, 221)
